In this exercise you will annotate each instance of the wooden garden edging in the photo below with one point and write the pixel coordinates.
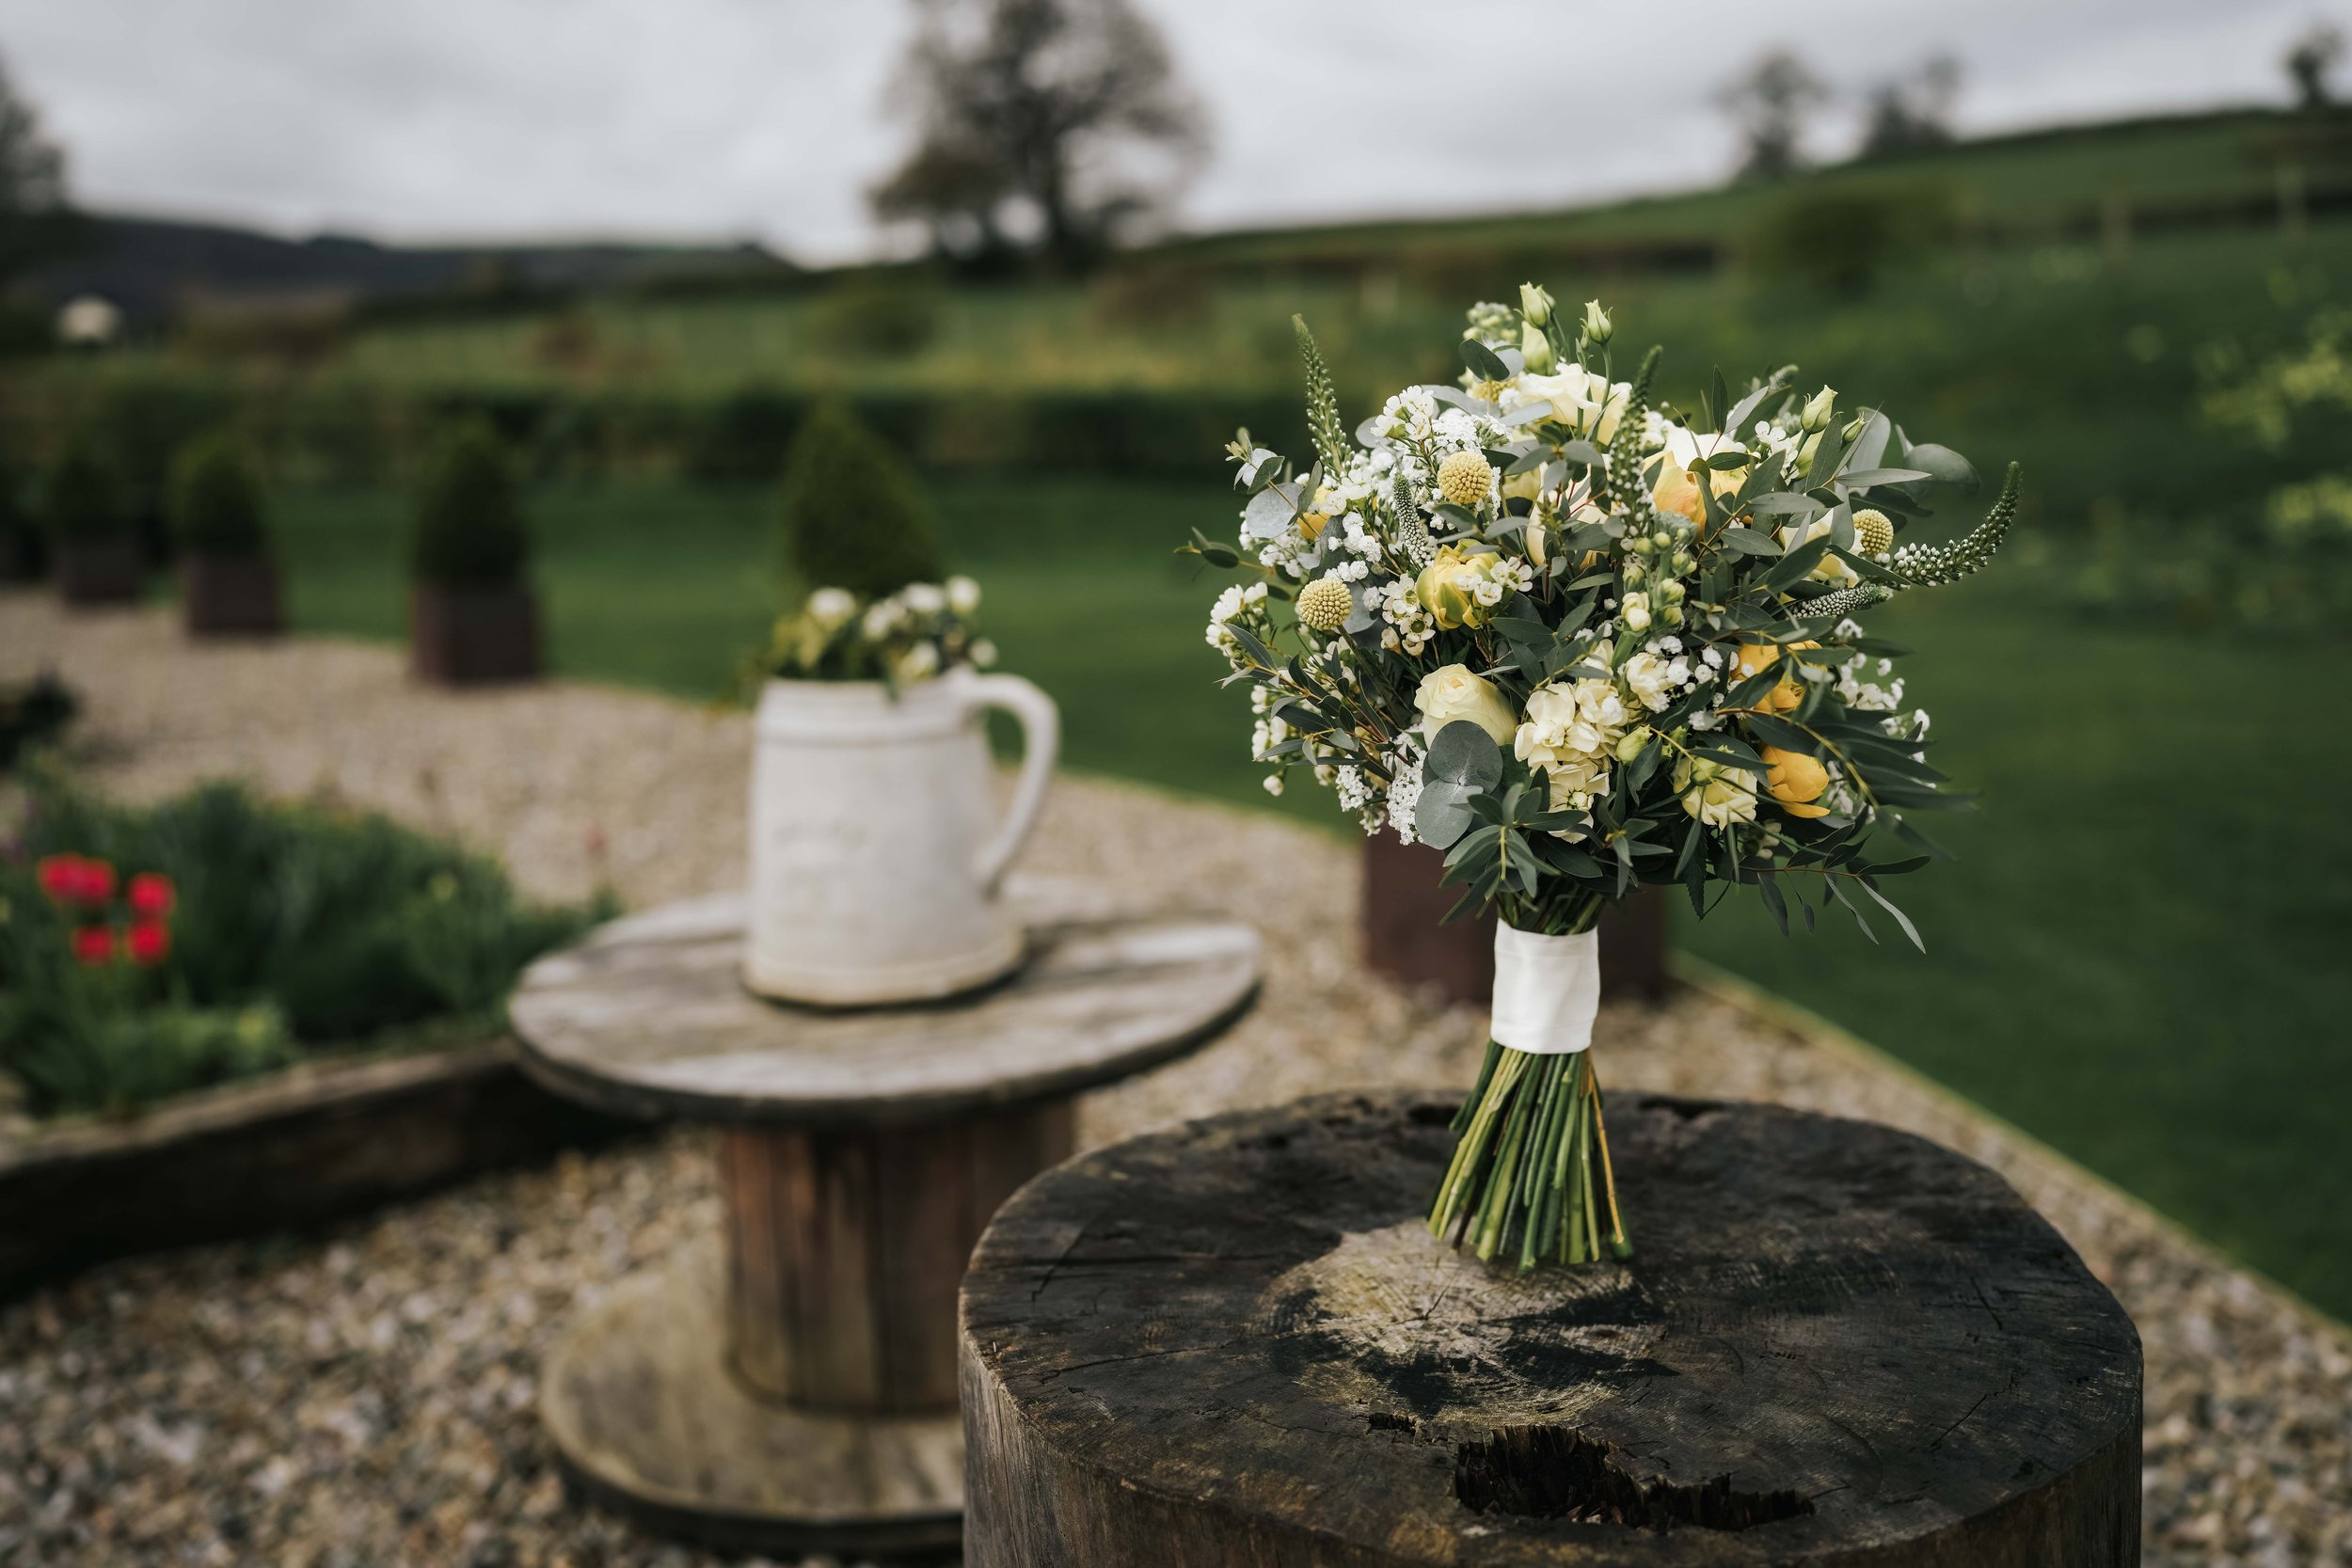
(1235, 1341)
(318, 1141)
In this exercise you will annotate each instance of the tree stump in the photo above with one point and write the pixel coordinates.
(1235, 1342)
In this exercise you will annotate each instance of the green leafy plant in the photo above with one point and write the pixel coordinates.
(852, 516)
(83, 496)
(470, 529)
(217, 506)
(879, 316)
(150, 950)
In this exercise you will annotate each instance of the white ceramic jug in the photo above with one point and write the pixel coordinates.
(873, 874)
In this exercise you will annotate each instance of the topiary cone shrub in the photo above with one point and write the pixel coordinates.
(93, 532)
(473, 618)
(24, 547)
(852, 515)
(228, 578)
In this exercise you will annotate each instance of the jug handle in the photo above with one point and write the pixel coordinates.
(1041, 744)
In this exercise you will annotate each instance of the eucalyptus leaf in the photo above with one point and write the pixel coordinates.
(1483, 361)
(1463, 755)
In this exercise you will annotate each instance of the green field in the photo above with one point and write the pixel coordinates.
(2133, 955)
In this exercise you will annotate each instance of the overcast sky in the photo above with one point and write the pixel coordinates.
(767, 119)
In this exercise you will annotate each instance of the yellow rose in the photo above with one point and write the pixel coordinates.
(1753, 656)
(1448, 588)
(1796, 780)
(1453, 693)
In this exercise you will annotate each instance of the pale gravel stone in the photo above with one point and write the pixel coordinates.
(365, 1398)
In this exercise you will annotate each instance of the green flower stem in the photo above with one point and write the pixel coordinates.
(1530, 1172)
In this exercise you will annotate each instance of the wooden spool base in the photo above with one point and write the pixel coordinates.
(650, 1422)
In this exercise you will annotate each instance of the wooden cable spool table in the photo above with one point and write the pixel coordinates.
(801, 1394)
(1237, 1342)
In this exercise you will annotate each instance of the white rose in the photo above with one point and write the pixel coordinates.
(963, 595)
(1582, 401)
(1453, 693)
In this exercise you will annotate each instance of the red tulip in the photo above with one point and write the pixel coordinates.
(61, 878)
(94, 946)
(98, 880)
(149, 943)
(151, 895)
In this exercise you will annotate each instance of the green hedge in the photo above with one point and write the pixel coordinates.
(354, 433)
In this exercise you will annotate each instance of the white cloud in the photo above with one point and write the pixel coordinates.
(748, 117)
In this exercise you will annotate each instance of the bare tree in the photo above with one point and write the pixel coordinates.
(1913, 112)
(1772, 103)
(36, 221)
(2311, 62)
(1070, 108)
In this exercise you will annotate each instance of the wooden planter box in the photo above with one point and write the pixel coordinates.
(230, 596)
(1407, 938)
(319, 1141)
(23, 558)
(469, 636)
(101, 571)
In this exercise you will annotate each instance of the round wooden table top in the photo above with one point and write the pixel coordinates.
(650, 1016)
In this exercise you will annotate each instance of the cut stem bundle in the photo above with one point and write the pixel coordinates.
(1531, 1170)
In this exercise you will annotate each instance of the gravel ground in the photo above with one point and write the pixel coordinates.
(365, 1396)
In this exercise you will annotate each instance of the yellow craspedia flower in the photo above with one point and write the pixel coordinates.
(1754, 656)
(1796, 780)
(1872, 531)
(1464, 477)
(1324, 604)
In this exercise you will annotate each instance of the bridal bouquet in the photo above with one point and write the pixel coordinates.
(1582, 641)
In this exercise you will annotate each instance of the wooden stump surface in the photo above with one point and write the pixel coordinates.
(1235, 1342)
(650, 1016)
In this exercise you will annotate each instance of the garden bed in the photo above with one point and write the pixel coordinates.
(320, 1140)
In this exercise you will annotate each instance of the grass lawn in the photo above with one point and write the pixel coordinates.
(2133, 955)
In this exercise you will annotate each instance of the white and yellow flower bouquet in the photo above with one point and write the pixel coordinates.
(1582, 640)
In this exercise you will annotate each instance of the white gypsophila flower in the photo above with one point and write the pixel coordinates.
(923, 598)
(1349, 786)
(881, 619)
(1404, 784)
(963, 595)
(983, 654)
(829, 606)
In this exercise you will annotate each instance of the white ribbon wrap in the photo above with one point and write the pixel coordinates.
(1547, 990)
